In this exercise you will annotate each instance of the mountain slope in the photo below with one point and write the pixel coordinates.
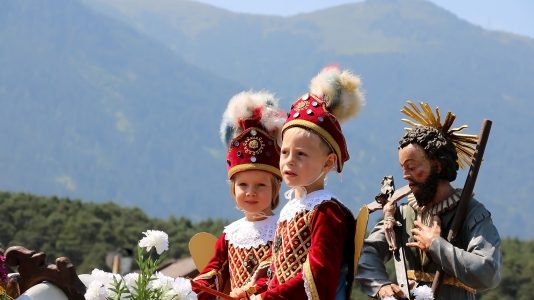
(403, 49)
(142, 129)
(93, 109)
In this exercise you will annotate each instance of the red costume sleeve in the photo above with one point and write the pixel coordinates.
(261, 285)
(215, 275)
(261, 281)
(329, 229)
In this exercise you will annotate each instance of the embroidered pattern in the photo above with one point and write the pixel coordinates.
(301, 105)
(293, 250)
(254, 145)
(293, 234)
(244, 262)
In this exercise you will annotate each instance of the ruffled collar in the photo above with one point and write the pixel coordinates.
(251, 234)
(309, 202)
(438, 208)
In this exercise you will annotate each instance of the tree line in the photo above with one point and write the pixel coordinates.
(85, 232)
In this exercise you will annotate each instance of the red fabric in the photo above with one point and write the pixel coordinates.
(253, 121)
(220, 263)
(331, 244)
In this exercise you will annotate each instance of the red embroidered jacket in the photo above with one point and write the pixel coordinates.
(242, 257)
(313, 250)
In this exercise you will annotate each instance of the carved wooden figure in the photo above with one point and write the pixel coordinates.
(33, 270)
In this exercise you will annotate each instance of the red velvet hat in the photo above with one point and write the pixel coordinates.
(251, 130)
(334, 96)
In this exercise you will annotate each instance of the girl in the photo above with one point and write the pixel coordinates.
(251, 124)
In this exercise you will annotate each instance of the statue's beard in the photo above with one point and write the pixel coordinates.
(425, 191)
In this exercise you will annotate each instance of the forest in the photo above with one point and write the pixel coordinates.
(85, 232)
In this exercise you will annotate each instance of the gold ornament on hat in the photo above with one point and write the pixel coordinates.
(301, 105)
(424, 116)
(254, 145)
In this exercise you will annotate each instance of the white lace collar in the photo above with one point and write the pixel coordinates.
(310, 201)
(247, 234)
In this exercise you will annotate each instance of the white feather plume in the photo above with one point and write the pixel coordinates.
(243, 105)
(340, 90)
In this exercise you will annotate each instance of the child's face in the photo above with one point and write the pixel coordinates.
(304, 159)
(253, 192)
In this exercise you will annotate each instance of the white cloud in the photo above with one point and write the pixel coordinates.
(66, 182)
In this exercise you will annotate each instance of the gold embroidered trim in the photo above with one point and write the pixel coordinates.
(266, 263)
(207, 275)
(429, 277)
(307, 273)
(251, 166)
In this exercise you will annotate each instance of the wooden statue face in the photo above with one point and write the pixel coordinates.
(420, 172)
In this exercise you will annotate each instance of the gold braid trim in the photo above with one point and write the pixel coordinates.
(307, 273)
(265, 263)
(425, 117)
(207, 275)
(429, 277)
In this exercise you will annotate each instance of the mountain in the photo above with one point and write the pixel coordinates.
(167, 158)
(93, 109)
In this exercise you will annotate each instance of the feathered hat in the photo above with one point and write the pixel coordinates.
(250, 129)
(334, 97)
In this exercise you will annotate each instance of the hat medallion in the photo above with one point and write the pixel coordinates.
(254, 145)
(301, 105)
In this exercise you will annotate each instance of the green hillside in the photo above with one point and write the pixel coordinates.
(121, 100)
(86, 232)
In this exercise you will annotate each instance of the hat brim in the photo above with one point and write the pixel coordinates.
(252, 166)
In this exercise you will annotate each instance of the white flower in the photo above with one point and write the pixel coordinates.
(130, 279)
(161, 282)
(103, 285)
(96, 291)
(104, 278)
(155, 238)
(423, 292)
(182, 287)
(389, 298)
(172, 289)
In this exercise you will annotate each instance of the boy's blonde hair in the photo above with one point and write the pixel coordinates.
(306, 132)
(275, 189)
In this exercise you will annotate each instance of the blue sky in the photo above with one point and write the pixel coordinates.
(515, 16)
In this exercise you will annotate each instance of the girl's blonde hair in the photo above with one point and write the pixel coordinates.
(275, 189)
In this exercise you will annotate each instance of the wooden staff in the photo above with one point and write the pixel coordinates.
(211, 291)
(466, 196)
